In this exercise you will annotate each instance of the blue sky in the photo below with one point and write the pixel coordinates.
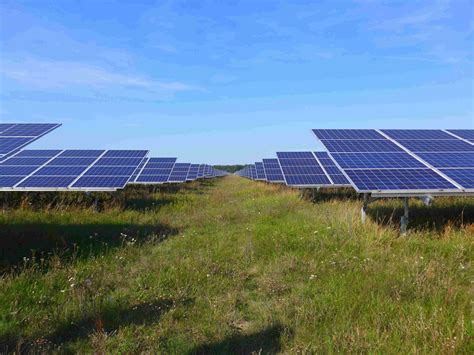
(233, 81)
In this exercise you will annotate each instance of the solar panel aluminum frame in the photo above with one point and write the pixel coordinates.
(405, 193)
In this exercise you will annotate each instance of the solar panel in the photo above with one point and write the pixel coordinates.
(273, 170)
(335, 174)
(15, 136)
(193, 172)
(260, 171)
(155, 171)
(179, 172)
(301, 169)
(467, 134)
(68, 170)
(404, 161)
(201, 171)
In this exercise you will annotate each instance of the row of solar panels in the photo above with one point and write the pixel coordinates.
(83, 170)
(380, 162)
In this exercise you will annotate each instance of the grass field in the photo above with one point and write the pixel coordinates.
(232, 265)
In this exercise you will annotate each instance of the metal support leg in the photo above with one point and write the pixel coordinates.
(404, 219)
(363, 210)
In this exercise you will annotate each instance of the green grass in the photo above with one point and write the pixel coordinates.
(236, 266)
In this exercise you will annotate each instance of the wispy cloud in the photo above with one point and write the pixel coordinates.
(43, 74)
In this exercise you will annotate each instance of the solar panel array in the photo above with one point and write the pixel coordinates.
(403, 161)
(69, 169)
(297, 169)
(15, 136)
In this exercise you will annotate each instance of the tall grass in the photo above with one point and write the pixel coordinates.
(234, 265)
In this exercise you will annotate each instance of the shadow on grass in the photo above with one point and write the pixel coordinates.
(433, 218)
(107, 321)
(39, 242)
(323, 195)
(266, 341)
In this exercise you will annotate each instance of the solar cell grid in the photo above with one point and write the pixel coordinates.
(260, 171)
(416, 134)
(376, 160)
(302, 169)
(447, 145)
(465, 177)
(463, 133)
(449, 160)
(347, 134)
(362, 146)
(273, 170)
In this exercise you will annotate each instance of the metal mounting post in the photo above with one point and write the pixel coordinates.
(404, 219)
(363, 210)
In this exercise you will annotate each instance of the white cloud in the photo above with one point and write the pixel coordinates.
(43, 74)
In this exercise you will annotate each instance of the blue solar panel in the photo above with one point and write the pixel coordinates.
(47, 153)
(464, 177)
(118, 162)
(125, 154)
(382, 170)
(347, 134)
(397, 179)
(179, 172)
(302, 169)
(449, 145)
(16, 170)
(449, 160)
(13, 137)
(362, 146)
(464, 133)
(110, 171)
(376, 160)
(9, 144)
(193, 172)
(423, 134)
(9, 181)
(76, 169)
(47, 182)
(72, 161)
(25, 161)
(113, 182)
(61, 170)
(260, 171)
(156, 170)
(273, 170)
(81, 153)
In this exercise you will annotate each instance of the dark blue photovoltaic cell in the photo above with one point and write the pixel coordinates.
(449, 145)
(81, 153)
(376, 160)
(152, 178)
(118, 162)
(273, 170)
(193, 172)
(296, 155)
(424, 134)
(260, 171)
(8, 144)
(162, 160)
(301, 180)
(28, 129)
(5, 126)
(25, 161)
(398, 179)
(464, 177)
(464, 133)
(362, 146)
(9, 181)
(152, 165)
(449, 160)
(347, 134)
(339, 179)
(48, 153)
(332, 170)
(110, 171)
(147, 171)
(72, 161)
(61, 170)
(201, 171)
(125, 154)
(116, 182)
(16, 170)
(47, 181)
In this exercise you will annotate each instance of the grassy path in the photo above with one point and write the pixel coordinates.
(238, 265)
